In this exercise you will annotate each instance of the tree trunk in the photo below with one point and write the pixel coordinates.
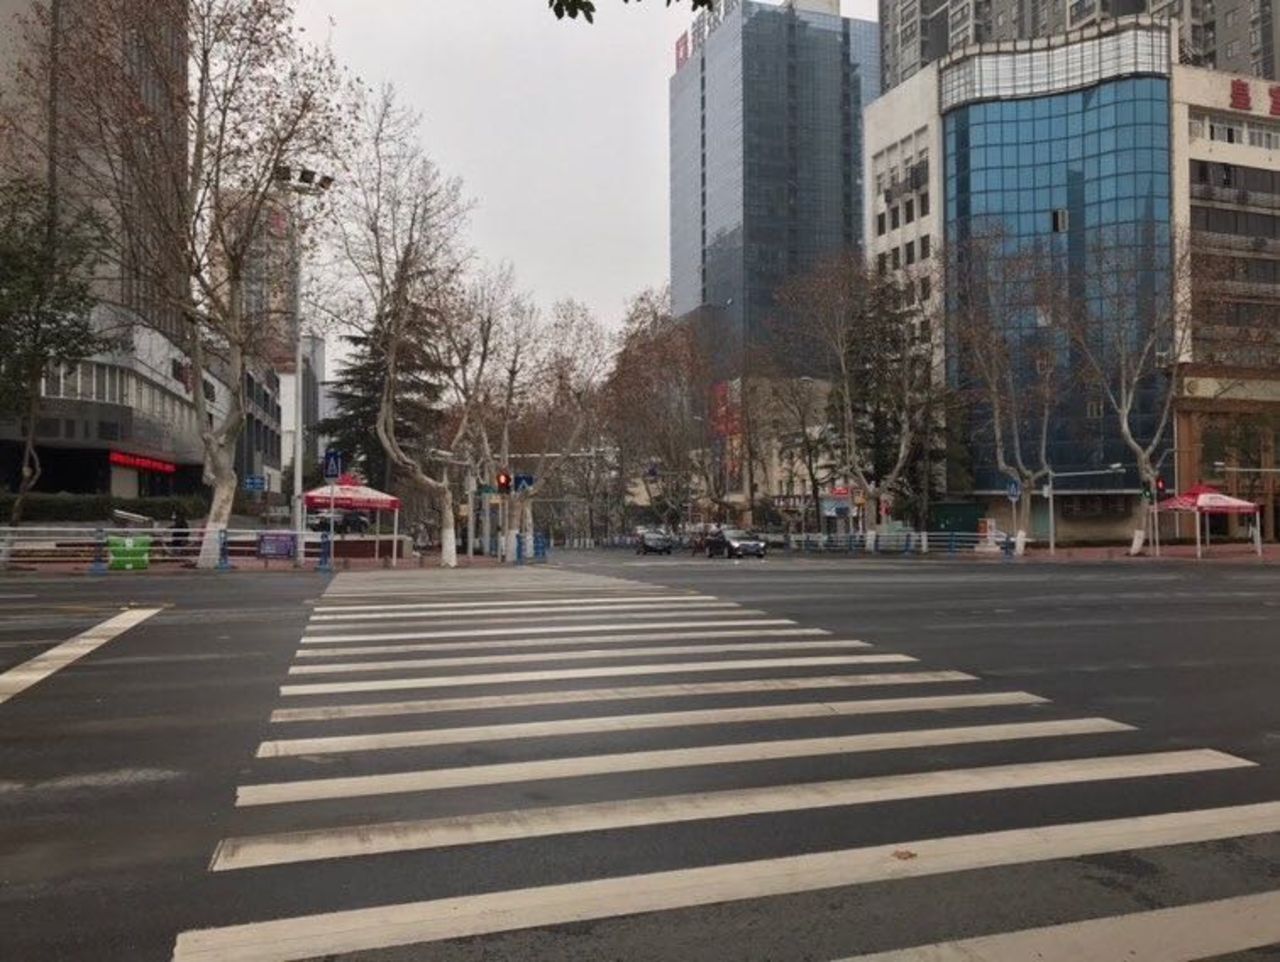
(448, 531)
(486, 523)
(30, 458)
(220, 473)
(526, 526)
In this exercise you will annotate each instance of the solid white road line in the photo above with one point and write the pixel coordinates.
(605, 671)
(539, 611)
(540, 602)
(405, 647)
(622, 723)
(274, 793)
(428, 706)
(1181, 934)
(582, 654)
(549, 630)
(319, 644)
(332, 933)
(418, 834)
(22, 677)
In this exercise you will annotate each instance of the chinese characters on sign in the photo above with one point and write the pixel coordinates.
(1240, 95)
(703, 25)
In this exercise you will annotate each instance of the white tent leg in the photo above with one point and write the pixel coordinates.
(395, 536)
(1198, 553)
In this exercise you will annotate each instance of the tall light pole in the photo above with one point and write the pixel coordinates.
(1049, 489)
(305, 182)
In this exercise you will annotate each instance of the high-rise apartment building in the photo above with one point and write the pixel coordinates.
(766, 157)
(1240, 36)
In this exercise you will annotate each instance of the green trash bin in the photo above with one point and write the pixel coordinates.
(132, 553)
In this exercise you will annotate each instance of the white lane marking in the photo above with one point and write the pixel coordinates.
(1181, 934)
(319, 644)
(22, 677)
(581, 654)
(541, 602)
(86, 781)
(353, 930)
(634, 609)
(406, 647)
(427, 706)
(606, 671)
(274, 793)
(621, 723)
(550, 630)
(418, 834)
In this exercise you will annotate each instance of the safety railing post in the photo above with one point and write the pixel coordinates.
(224, 560)
(325, 563)
(99, 566)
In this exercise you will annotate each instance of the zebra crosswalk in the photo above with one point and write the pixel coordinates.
(556, 774)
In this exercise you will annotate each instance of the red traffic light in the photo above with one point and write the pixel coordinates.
(1160, 485)
(504, 482)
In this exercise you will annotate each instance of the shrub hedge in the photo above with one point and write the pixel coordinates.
(39, 506)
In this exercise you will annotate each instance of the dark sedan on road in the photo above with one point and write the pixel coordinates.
(654, 542)
(734, 543)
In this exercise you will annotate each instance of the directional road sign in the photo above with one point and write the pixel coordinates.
(1014, 490)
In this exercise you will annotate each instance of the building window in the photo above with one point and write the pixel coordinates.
(909, 210)
(1093, 409)
(924, 247)
(926, 288)
(880, 224)
(893, 218)
(895, 258)
(910, 252)
(882, 263)
(924, 204)
(1060, 220)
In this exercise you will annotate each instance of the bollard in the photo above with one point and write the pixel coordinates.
(99, 566)
(325, 563)
(520, 549)
(1008, 547)
(951, 544)
(224, 562)
(906, 545)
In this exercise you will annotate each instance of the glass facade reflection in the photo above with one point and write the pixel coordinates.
(1078, 185)
(766, 155)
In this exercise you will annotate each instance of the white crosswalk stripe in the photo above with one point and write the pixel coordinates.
(572, 696)
(622, 723)
(536, 711)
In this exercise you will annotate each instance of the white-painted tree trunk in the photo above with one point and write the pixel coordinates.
(221, 476)
(526, 525)
(486, 522)
(448, 531)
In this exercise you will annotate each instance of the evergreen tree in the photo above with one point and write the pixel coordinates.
(357, 394)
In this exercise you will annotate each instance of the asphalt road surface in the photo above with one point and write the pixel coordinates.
(623, 758)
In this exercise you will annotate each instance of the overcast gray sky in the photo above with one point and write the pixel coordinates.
(558, 128)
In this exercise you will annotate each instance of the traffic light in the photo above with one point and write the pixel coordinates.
(504, 482)
(1160, 487)
(1146, 491)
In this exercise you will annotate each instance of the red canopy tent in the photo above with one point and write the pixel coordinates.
(350, 493)
(1204, 499)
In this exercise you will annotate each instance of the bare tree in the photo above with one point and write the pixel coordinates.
(399, 230)
(1006, 314)
(174, 117)
(863, 333)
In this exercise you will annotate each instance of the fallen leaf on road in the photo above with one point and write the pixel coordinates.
(903, 855)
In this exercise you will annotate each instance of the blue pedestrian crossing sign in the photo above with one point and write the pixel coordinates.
(523, 482)
(255, 482)
(1014, 489)
(332, 464)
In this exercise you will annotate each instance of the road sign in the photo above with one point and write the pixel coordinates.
(332, 464)
(1013, 491)
(523, 482)
(255, 482)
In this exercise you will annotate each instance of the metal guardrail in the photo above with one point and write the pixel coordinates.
(104, 548)
(887, 543)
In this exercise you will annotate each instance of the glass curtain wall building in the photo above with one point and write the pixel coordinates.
(1058, 218)
(766, 157)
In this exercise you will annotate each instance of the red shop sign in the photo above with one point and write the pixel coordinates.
(140, 463)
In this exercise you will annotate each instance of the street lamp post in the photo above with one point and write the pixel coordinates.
(1049, 488)
(306, 182)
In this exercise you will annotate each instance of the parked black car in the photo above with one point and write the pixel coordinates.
(344, 522)
(654, 542)
(734, 543)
